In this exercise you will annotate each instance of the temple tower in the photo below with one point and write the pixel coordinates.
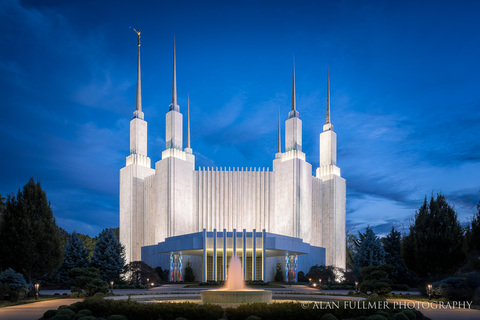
(329, 193)
(132, 178)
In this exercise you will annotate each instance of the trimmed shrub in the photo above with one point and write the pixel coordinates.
(66, 312)
(49, 314)
(84, 313)
(253, 318)
(88, 318)
(400, 316)
(377, 317)
(87, 280)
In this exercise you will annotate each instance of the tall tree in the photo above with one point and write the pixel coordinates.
(434, 246)
(29, 237)
(392, 244)
(2, 204)
(472, 242)
(108, 256)
(370, 251)
(89, 243)
(75, 255)
(351, 251)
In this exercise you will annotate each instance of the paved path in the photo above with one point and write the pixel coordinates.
(33, 311)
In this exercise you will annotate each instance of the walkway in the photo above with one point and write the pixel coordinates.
(33, 311)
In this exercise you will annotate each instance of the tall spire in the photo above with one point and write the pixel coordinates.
(138, 109)
(293, 86)
(188, 121)
(328, 97)
(174, 106)
(279, 149)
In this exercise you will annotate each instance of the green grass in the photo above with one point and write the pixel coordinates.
(4, 304)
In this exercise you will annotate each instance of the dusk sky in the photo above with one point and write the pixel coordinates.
(404, 79)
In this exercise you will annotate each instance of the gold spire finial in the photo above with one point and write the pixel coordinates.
(138, 34)
(139, 84)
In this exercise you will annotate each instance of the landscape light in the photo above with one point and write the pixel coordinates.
(429, 292)
(148, 283)
(111, 286)
(356, 286)
(37, 287)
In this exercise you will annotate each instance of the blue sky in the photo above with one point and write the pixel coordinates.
(405, 79)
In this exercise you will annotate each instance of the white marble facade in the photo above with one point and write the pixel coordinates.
(176, 198)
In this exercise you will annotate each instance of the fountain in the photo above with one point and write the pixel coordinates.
(234, 291)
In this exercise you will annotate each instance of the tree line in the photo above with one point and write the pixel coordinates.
(32, 244)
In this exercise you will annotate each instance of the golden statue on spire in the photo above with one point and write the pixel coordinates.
(138, 33)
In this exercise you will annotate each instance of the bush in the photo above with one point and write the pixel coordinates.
(189, 276)
(12, 284)
(453, 288)
(49, 314)
(88, 280)
(400, 316)
(253, 318)
(301, 277)
(84, 313)
(410, 314)
(66, 312)
(278, 273)
(376, 279)
(377, 317)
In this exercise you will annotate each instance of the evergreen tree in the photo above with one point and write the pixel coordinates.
(472, 242)
(392, 244)
(434, 246)
(189, 276)
(89, 243)
(370, 251)
(2, 204)
(351, 251)
(108, 256)
(75, 255)
(29, 237)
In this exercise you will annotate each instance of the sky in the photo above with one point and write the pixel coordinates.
(404, 87)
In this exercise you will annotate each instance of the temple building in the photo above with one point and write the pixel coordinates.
(177, 212)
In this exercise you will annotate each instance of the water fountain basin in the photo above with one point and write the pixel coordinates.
(224, 296)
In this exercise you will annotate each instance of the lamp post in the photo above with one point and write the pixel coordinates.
(356, 286)
(320, 284)
(148, 283)
(111, 286)
(37, 287)
(429, 292)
